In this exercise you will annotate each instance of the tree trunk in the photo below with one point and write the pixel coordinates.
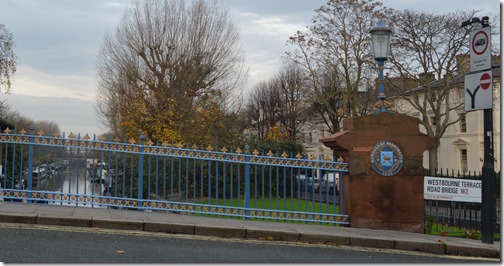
(433, 159)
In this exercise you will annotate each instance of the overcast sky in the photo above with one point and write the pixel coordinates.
(57, 42)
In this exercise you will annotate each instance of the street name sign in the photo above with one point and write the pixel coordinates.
(452, 189)
(478, 91)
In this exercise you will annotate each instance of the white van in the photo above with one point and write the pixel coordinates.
(331, 180)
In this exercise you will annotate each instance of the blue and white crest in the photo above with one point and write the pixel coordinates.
(386, 158)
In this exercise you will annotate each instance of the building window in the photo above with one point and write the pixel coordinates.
(310, 138)
(463, 159)
(463, 127)
(434, 120)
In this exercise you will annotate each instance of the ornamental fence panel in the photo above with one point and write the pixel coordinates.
(179, 179)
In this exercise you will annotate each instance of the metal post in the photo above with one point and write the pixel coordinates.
(247, 182)
(30, 159)
(488, 181)
(381, 85)
(140, 170)
(488, 174)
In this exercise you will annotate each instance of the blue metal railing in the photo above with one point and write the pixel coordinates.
(89, 173)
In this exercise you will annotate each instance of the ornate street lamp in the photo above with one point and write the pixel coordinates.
(380, 37)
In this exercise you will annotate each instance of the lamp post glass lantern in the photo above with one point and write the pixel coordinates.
(380, 38)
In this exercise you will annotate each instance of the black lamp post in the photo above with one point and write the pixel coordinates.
(380, 38)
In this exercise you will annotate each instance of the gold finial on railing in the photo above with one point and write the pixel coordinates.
(299, 156)
(238, 151)
(270, 153)
(311, 157)
(150, 143)
(7, 130)
(209, 148)
(40, 133)
(132, 141)
(255, 152)
(179, 145)
(284, 154)
(71, 135)
(341, 160)
(87, 137)
(194, 146)
(117, 139)
(224, 149)
(56, 134)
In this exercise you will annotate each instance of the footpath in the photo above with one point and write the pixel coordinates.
(42, 214)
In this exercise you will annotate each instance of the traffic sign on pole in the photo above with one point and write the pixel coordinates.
(478, 91)
(480, 56)
(481, 60)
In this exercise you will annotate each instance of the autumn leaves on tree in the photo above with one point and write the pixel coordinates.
(169, 71)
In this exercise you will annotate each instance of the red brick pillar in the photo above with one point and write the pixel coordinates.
(385, 187)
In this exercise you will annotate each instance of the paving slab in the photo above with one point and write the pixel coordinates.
(18, 207)
(56, 210)
(91, 213)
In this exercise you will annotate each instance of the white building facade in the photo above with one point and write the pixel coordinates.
(461, 146)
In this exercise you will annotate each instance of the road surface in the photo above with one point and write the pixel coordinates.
(24, 243)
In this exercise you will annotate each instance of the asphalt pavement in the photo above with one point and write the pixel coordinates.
(43, 214)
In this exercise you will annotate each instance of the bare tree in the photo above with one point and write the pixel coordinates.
(169, 70)
(22, 122)
(330, 101)
(336, 53)
(294, 94)
(48, 128)
(5, 108)
(18, 120)
(281, 101)
(8, 59)
(264, 107)
(425, 48)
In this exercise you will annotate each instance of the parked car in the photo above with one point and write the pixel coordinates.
(330, 181)
(313, 184)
